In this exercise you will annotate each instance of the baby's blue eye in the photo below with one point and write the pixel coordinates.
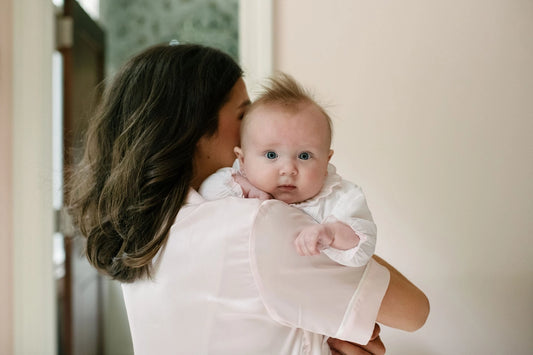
(271, 155)
(304, 156)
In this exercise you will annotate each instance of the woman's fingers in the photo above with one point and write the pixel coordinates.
(375, 346)
(341, 347)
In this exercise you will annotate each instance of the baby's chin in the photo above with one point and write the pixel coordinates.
(291, 200)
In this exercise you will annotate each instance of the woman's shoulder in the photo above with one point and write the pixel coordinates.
(275, 217)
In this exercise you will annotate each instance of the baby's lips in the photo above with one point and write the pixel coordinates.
(286, 187)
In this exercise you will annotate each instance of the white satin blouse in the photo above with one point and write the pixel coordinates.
(229, 281)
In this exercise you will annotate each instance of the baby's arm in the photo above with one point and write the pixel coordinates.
(351, 208)
(346, 213)
(220, 185)
(335, 234)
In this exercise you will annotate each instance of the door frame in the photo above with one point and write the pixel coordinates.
(34, 310)
(256, 38)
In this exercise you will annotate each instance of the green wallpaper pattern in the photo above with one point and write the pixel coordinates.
(132, 25)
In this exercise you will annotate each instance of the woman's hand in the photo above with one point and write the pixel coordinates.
(375, 345)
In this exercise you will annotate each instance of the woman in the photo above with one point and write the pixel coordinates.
(169, 119)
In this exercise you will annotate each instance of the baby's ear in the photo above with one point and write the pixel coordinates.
(240, 155)
(330, 154)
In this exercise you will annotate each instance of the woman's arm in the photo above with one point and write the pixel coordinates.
(404, 306)
(295, 288)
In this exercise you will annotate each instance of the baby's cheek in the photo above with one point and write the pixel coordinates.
(258, 180)
(320, 180)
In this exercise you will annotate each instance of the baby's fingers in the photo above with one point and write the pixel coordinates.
(301, 246)
(264, 196)
(298, 246)
(312, 246)
(305, 245)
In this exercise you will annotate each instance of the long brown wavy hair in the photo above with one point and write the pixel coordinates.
(138, 159)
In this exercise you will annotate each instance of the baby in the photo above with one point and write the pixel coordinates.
(284, 154)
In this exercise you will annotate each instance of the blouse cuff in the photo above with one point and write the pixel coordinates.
(365, 304)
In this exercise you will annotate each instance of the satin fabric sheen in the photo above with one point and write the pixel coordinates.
(229, 281)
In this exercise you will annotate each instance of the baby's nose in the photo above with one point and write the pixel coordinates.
(288, 168)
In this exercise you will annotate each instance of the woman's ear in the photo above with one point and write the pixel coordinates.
(330, 154)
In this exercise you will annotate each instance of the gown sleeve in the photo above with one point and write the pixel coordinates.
(220, 185)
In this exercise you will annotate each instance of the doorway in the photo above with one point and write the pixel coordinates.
(78, 69)
(89, 306)
(33, 310)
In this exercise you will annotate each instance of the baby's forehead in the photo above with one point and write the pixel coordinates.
(291, 106)
(261, 112)
(287, 121)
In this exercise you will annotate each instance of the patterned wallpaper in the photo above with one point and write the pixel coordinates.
(133, 25)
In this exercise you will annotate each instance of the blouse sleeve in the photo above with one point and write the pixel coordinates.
(312, 293)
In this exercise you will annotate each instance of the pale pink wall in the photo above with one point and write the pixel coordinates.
(433, 114)
(6, 231)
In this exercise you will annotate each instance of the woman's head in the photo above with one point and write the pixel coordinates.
(216, 151)
(142, 152)
(169, 97)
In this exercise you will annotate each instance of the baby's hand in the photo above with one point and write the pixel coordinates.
(254, 192)
(313, 239)
(249, 190)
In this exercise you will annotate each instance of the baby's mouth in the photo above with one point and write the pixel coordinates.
(287, 188)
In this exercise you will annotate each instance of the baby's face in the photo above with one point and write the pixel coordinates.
(286, 153)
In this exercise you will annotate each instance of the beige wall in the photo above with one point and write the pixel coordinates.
(432, 103)
(6, 241)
